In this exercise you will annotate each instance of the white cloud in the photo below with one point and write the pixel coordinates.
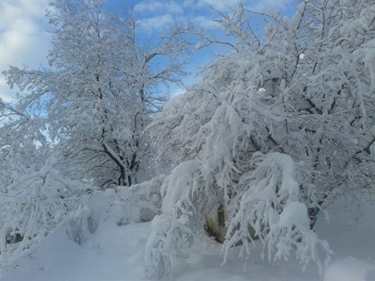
(155, 7)
(23, 39)
(218, 4)
(155, 15)
(222, 5)
(279, 5)
(156, 23)
(147, 6)
(188, 3)
(206, 23)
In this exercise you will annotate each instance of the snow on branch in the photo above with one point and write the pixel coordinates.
(292, 233)
(173, 230)
(267, 202)
(32, 206)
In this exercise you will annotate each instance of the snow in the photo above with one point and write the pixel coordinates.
(294, 214)
(179, 180)
(116, 253)
(350, 269)
(111, 254)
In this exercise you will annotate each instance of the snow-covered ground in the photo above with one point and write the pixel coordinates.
(116, 253)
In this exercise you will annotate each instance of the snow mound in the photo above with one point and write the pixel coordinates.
(350, 269)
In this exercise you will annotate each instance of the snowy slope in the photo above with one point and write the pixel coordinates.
(351, 235)
(116, 253)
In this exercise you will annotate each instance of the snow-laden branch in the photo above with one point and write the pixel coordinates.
(267, 202)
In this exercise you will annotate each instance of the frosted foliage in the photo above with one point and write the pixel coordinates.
(78, 225)
(281, 126)
(89, 107)
(83, 221)
(135, 204)
(173, 230)
(292, 233)
(267, 201)
(99, 91)
(32, 206)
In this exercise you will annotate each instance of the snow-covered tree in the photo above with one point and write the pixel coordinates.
(35, 197)
(78, 122)
(276, 130)
(23, 147)
(33, 206)
(99, 90)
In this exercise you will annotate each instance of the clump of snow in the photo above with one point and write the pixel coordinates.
(171, 230)
(350, 269)
(270, 205)
(295, 213)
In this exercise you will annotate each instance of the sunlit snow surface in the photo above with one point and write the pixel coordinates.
(116, 253)
(350, 269)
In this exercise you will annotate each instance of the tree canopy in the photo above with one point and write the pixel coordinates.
(276, 130)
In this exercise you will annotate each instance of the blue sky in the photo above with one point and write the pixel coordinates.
(24, 37)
